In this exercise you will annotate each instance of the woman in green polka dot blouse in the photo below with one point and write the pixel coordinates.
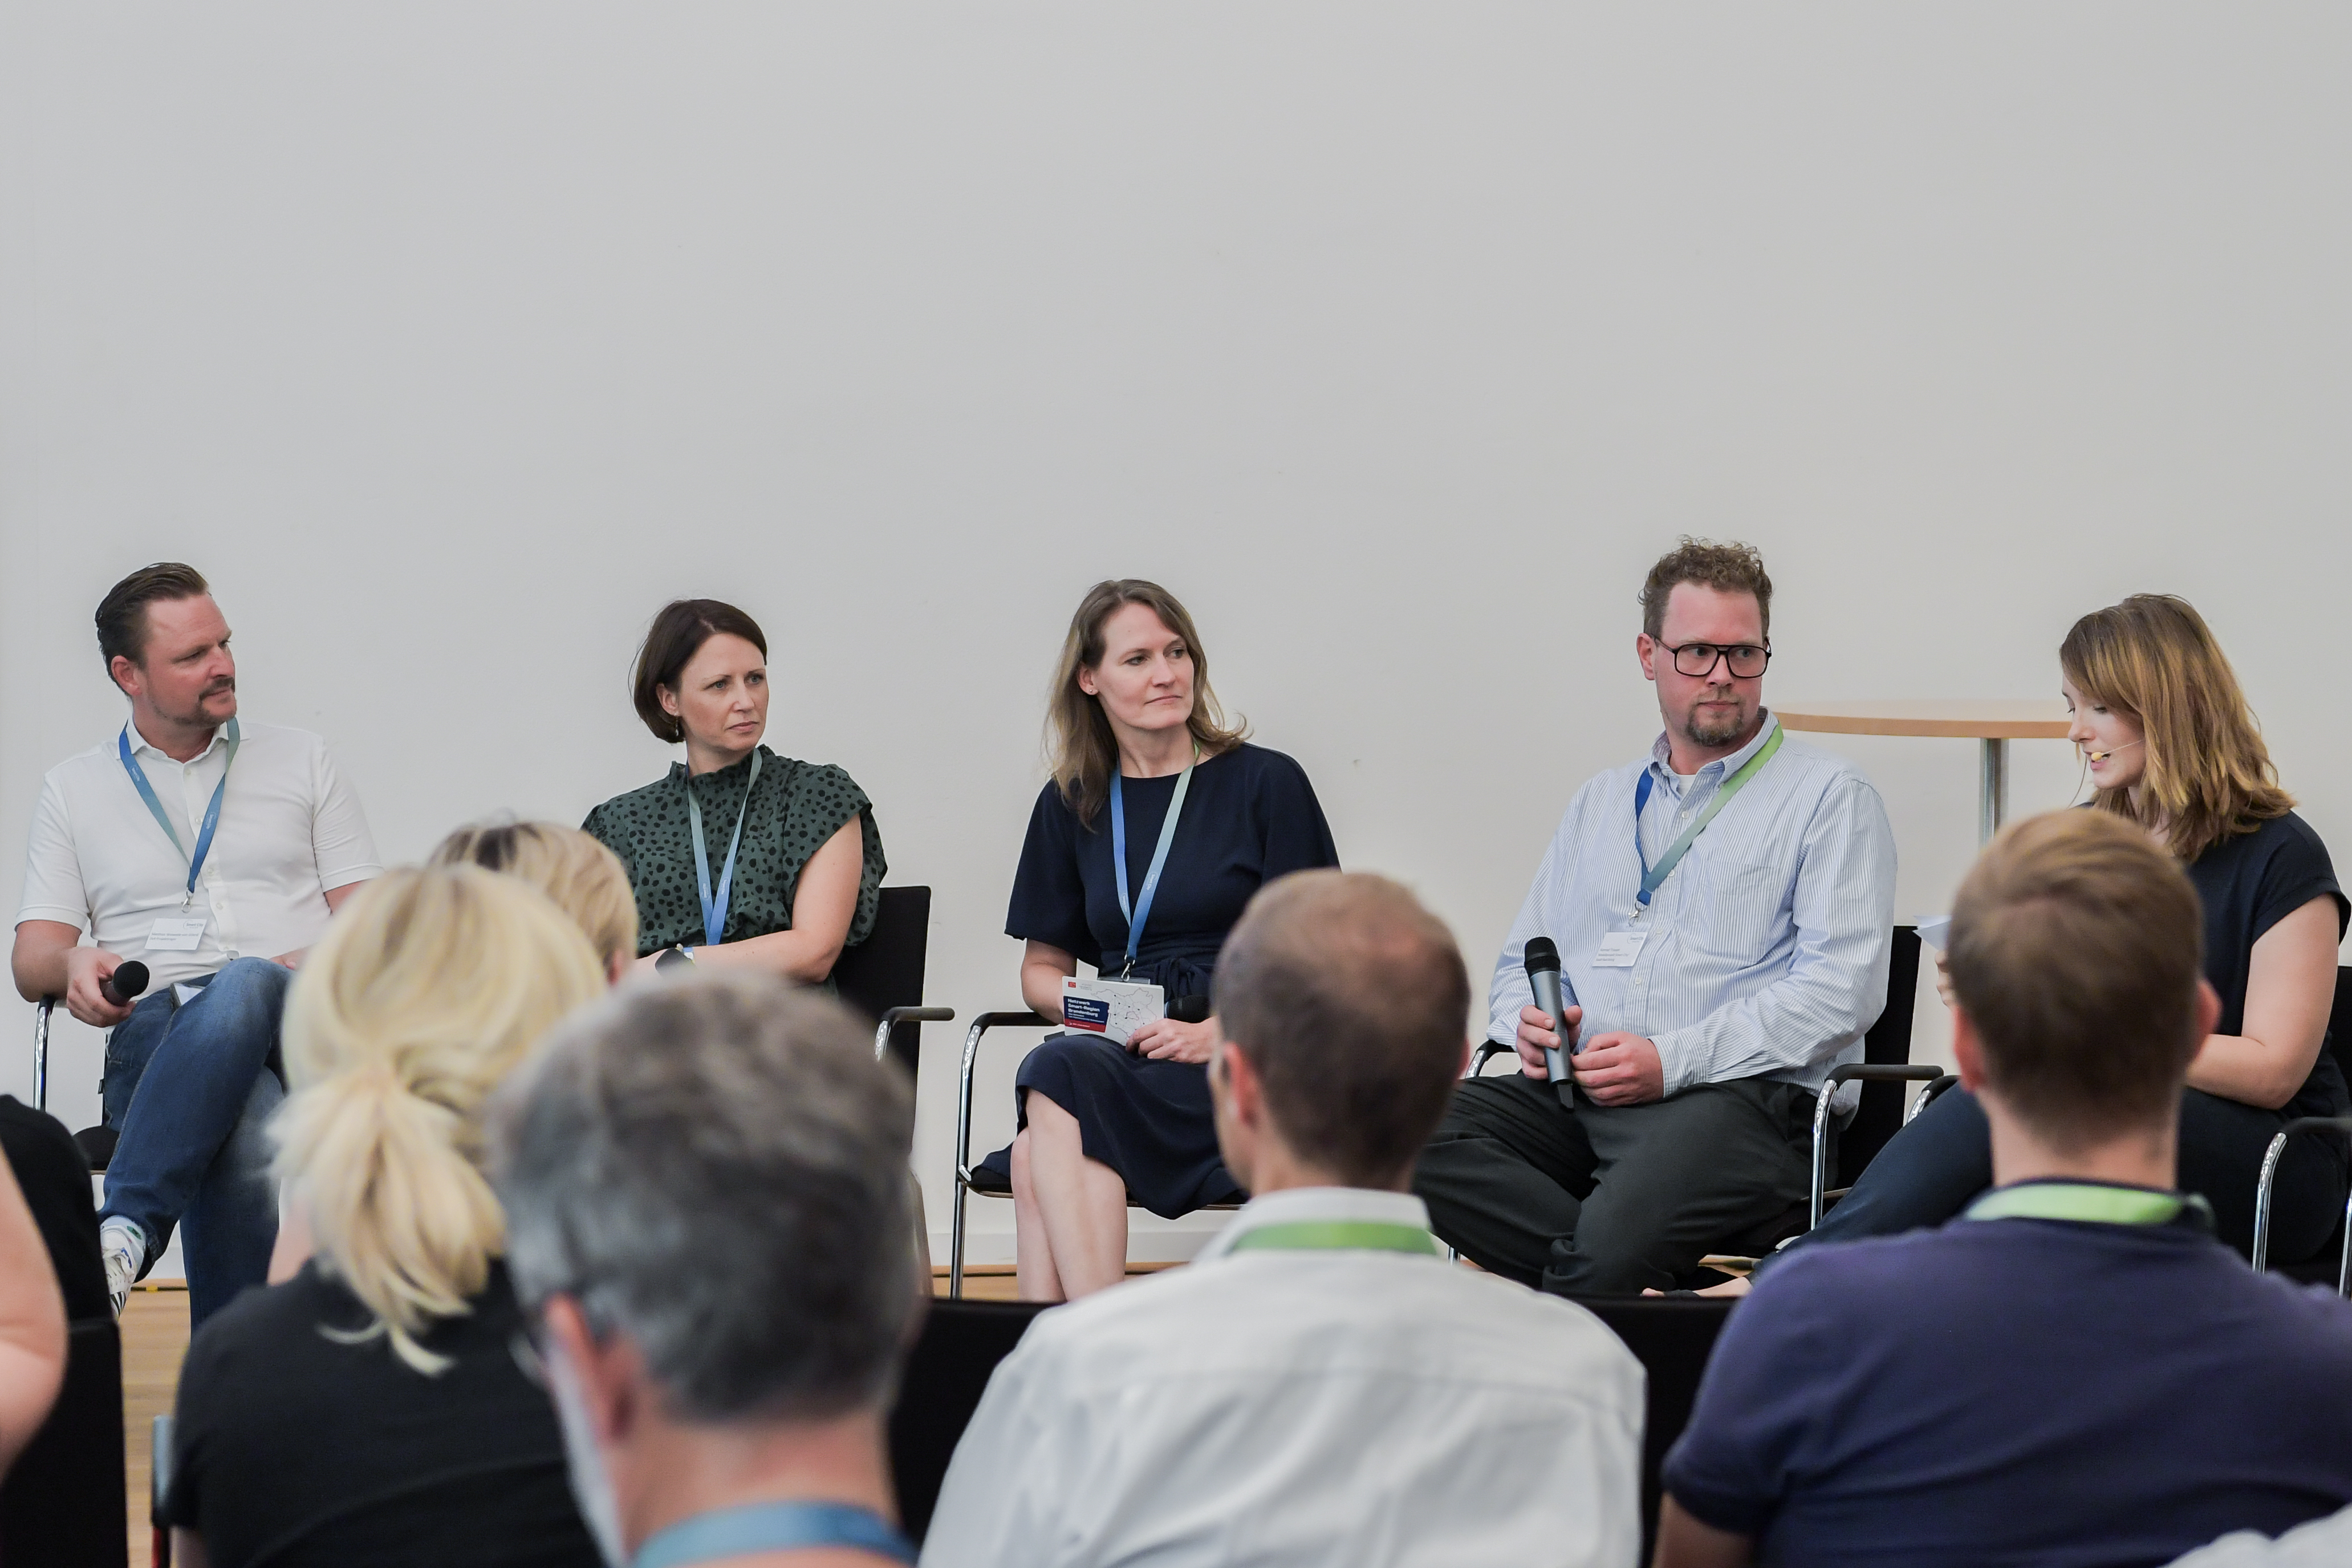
(791, 862)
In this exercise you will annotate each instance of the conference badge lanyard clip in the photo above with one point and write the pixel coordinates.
(1620, 947)
(714, 910)
(1115, 1009)
(184, 931)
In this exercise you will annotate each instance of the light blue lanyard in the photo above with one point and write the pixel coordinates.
(212, 812)
(1654, 877)
(714, 910)
(1142, 910)
(773, 1527)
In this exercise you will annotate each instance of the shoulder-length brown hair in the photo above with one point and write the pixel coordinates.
(2209, 777)
(1077, 733)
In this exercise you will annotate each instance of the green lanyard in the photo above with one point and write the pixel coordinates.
(1652, 876)
(2090, 1202)
(1337, 1235)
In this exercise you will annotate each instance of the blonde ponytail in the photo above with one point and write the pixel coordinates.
(430, 988)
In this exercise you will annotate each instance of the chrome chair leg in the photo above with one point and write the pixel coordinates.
(2269, 1177)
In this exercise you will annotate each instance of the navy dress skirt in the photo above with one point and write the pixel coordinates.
(1249, 817)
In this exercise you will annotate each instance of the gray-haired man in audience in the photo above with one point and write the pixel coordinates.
(1320, 1385)
(707, 1220)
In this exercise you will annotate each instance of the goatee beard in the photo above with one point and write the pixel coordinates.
(1722, 732)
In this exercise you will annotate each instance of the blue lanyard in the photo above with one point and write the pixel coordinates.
(1142, 910)
(1653, 876)
(773, 1527)
(714, 910)
(212, 812)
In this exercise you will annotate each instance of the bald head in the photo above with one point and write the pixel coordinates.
(1348, 999)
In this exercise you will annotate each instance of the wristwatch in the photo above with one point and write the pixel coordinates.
(673, 955)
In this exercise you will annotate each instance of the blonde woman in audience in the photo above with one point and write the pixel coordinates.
(370, 1410)
(586, 881)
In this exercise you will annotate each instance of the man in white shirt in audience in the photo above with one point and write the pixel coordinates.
(2322, 1543)
(213, 851)
(1722, 911)
(1319, 1385)
(708, 1224)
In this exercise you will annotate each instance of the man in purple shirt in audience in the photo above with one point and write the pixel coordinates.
(2074, 1373)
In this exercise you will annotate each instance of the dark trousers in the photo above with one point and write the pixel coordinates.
(1606, 1200)
(1936, 1167)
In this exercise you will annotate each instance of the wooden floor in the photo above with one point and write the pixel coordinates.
(155, 1336)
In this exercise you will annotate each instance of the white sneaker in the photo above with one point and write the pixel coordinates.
(124, 1248)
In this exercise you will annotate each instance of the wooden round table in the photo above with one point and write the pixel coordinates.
(1993, 723)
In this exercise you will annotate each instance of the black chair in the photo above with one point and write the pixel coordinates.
(97, 1143)
(2332, 1262)
(1672, 1338)
(1884, 1068)
(63, 1502)
(883, 978)
(883, 975)
(946, 1373)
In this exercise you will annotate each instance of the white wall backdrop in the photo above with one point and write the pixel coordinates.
(451, 339)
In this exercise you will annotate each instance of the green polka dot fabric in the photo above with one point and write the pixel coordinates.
(795, 807)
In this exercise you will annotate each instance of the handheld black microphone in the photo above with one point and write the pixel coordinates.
(1542, 960)
(122, 987)
(1190, 1009)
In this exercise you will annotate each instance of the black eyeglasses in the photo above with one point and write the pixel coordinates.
(1747, 660)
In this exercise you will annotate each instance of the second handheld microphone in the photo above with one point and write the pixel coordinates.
(1542, 960)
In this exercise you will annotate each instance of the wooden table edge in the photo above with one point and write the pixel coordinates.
(1953, 729)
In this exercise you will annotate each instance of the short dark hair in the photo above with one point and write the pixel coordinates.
(1728, 568)
(1350, 1000)
(122, 613)
(676, 635)
(2076, 947)
(716, 1168)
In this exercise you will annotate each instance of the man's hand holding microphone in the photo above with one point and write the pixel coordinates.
(101, 987)
(1612, 1068)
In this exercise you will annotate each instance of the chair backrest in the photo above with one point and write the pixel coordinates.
(1672, 1338)
(885, 970)
(63, 1501)
(946, 1374)
(2340, 1023)
(1888, 1044)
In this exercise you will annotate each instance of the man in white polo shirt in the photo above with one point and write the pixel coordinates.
(1320, 1385)
(213, 852)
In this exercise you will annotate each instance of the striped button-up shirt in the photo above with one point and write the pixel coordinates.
(1767, 947)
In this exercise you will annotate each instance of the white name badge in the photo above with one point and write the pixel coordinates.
(176, 934)
(1619, 949)
(1114, 1009)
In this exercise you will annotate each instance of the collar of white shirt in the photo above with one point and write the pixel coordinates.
(141, 743)
(1297, 1203)
(1662, 752)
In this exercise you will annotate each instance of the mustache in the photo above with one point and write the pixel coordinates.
(225, 683)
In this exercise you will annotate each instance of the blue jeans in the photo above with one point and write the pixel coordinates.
(190, 1089)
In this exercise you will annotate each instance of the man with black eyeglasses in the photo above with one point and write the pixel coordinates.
(1721, 911)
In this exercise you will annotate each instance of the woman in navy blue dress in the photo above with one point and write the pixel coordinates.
(1135, 726)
